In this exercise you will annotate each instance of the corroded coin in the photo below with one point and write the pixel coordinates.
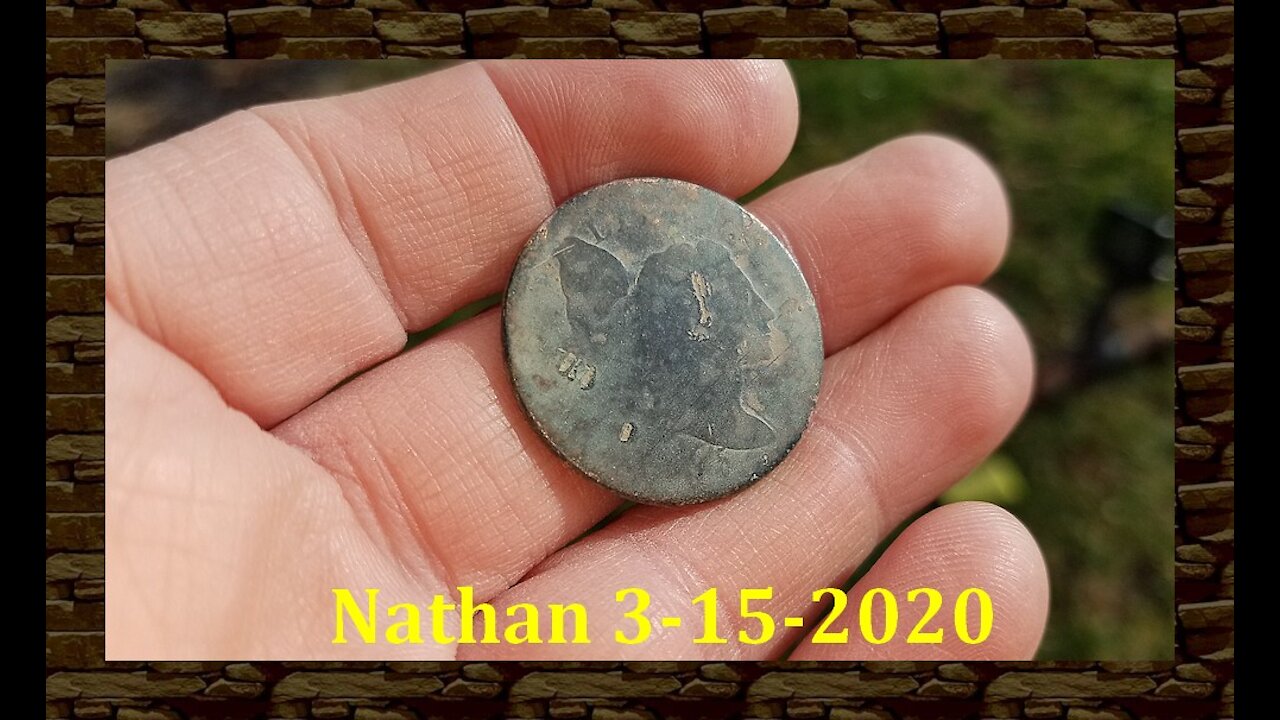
(662, 340)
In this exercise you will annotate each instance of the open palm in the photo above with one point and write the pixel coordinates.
(256, 263)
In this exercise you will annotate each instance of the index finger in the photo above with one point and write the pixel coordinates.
(281, 250)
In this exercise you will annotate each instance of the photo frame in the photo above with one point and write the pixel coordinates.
(1196, 37)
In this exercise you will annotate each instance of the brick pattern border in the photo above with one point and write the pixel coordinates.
(1198, 35)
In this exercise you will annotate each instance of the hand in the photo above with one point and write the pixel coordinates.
(256, 263)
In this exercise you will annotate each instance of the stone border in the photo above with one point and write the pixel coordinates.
(1198, 35)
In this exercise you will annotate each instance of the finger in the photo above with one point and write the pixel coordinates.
(396, 430)
(283, 249)
(901, 416)
(213, 518)
(894, 224)
(436, 439)
(952, 549)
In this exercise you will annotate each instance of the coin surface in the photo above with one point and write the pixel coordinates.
(662, 340)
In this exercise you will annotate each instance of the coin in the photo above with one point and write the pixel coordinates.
(662, 340)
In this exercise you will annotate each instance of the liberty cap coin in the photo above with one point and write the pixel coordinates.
(662, 340)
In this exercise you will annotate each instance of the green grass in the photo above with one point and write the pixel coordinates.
(1089, 471)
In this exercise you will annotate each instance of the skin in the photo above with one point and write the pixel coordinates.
(255, 263)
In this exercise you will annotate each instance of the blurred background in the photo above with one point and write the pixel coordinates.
(1084, 149)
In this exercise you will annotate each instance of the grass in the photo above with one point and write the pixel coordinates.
(1090, 470)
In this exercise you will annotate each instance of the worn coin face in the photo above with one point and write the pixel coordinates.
(662, 340)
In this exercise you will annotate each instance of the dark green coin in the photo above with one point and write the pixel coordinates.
(662, 340)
